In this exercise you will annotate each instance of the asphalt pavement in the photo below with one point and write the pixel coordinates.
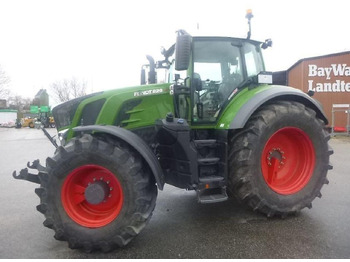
(180, 227)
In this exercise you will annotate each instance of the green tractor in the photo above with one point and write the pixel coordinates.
(217, 126)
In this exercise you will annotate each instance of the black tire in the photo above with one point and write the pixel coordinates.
(138, 191)
(279, 124)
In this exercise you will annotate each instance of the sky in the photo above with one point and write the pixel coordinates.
(104, 42)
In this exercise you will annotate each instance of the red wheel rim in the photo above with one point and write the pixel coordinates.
(77, 205)
(288, 160)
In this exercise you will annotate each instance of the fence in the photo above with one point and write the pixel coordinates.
(341, 108)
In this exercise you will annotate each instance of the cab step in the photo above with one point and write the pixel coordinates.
(212, 195)
(211, 143)
(210, 179)
(208, 161)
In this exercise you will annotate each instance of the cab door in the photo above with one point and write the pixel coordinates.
(217, 65)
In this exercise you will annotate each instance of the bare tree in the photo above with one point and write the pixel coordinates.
(68, 89)
(77, 89)
(27, 103)
(4, 80)
(61, 90)
(19, 103)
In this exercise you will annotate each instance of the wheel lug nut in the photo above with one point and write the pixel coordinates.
(101, 178)
(94, 179)
(107, 182)
(111, 188)
(109, 195)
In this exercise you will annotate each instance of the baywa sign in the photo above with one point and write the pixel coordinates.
(334, 71)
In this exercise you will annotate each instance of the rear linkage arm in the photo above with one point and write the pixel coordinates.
(42, 173)
(25, 175)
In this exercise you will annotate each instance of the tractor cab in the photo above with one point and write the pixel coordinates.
(217, 68)
(207, 72)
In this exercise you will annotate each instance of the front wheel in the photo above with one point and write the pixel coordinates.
(98, 195)
(279, 161)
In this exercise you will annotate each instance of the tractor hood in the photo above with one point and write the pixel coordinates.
(126, 107)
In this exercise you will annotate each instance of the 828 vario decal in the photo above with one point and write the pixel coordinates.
(148, 92)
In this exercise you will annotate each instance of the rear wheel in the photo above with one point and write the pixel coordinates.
(279, 161)
(98, 195)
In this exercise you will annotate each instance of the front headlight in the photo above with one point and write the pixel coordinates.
(62, 136)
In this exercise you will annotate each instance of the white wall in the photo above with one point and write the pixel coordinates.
(8, 119)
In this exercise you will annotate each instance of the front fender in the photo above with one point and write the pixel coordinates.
(247, 102)
(135, 142)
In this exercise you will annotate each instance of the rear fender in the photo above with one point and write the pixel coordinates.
(238, 118)
(135, 142)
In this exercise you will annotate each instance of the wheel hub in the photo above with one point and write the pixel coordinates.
(97, 192)
(276, 154)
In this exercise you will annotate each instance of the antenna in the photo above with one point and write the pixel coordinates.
(249, 16)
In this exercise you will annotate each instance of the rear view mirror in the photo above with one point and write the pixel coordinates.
(197, 82)
(266, 44)
(183, 51)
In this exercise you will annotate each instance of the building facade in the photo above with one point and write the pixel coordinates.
(328, 77)
(41, 98)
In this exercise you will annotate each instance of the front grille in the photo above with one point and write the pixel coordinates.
(64, 113)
